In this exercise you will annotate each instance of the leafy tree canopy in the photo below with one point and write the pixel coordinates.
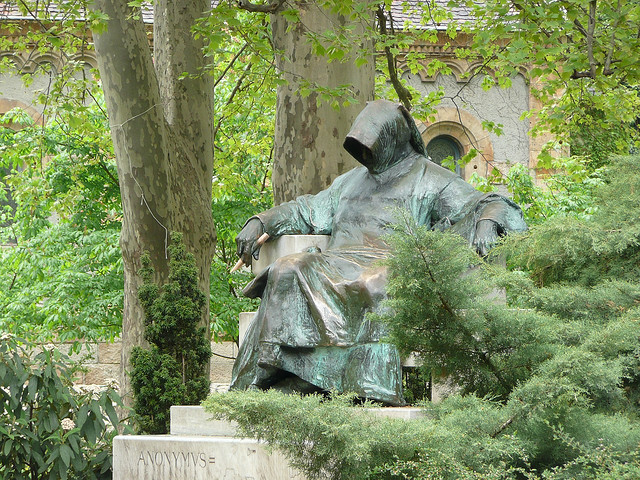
(60, 269)
(580, 48)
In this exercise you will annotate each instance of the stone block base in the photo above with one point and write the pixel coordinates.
(177, 457)
(200, 448)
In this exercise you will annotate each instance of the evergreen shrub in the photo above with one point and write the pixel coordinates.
(173, 370)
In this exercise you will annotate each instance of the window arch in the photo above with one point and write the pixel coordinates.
(467, 132)
(443, 147)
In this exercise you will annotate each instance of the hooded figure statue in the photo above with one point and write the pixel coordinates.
(311, 332)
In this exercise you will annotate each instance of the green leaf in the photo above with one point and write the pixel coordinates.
(8, 445)
(89, 431)
(32, 388)
(65, 454)
(82, 416)
(291, 15)
(111, 412)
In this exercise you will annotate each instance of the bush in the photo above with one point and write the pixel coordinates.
(330, 438)
(48, 430)
(172, 371)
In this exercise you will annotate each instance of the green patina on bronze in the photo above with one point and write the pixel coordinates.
(311, 332)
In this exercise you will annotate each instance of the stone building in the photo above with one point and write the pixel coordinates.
(458, 125)
(456, 129)
(41, 67)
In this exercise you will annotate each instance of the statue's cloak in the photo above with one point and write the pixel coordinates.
(311, 324)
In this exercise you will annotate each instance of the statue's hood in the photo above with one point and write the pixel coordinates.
(383, 134)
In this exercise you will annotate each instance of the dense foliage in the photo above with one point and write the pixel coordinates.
(589, 68)
(570, 191)
(547, 385)
(173, 370)
(48, 430)
(244, 121)
(60, 268)
(59, 197)
(569, 250)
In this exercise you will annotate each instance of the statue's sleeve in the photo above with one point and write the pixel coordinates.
(460, 207)
(307, 214)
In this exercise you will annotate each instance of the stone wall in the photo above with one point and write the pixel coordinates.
(101, 362)
(466, 105)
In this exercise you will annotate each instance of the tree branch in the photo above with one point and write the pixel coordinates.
(13, 281)
(612, 42)
(482, 356)
(580, 28)
(235, 90)
(403, 92)
(502, 427)
(231, 63)
(591, 33)
(272, 7)
(113, 179)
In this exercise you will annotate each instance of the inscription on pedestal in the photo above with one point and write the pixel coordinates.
(175, 457)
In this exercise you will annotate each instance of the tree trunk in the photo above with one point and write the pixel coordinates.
(161, 130)
(188, 108)
(308, 137)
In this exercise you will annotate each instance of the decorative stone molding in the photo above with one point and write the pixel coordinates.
(461, 69)
(467, 130)
(8, 104)
(28, 62)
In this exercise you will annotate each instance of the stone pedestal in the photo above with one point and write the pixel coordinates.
(179, 457)
(199, 448)
(243, 324)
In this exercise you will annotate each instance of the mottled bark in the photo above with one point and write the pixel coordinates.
(163, 145)
(188, 108)
(308, 137)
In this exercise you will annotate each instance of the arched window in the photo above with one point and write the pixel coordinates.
(444, 146)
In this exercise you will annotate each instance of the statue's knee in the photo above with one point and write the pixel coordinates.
(375, 281)
(291, 263)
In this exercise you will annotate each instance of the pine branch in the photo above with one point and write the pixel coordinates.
(502, 427)
(482, 356)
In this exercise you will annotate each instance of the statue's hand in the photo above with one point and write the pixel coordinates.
(486, 236)
(246, 240)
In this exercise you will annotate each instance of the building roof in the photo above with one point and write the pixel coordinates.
(410, 13)
(403, 13)
(49, 10)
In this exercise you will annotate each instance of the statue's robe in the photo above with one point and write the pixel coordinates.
(311, 323)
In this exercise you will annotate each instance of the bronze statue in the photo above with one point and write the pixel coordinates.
(311, 332)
